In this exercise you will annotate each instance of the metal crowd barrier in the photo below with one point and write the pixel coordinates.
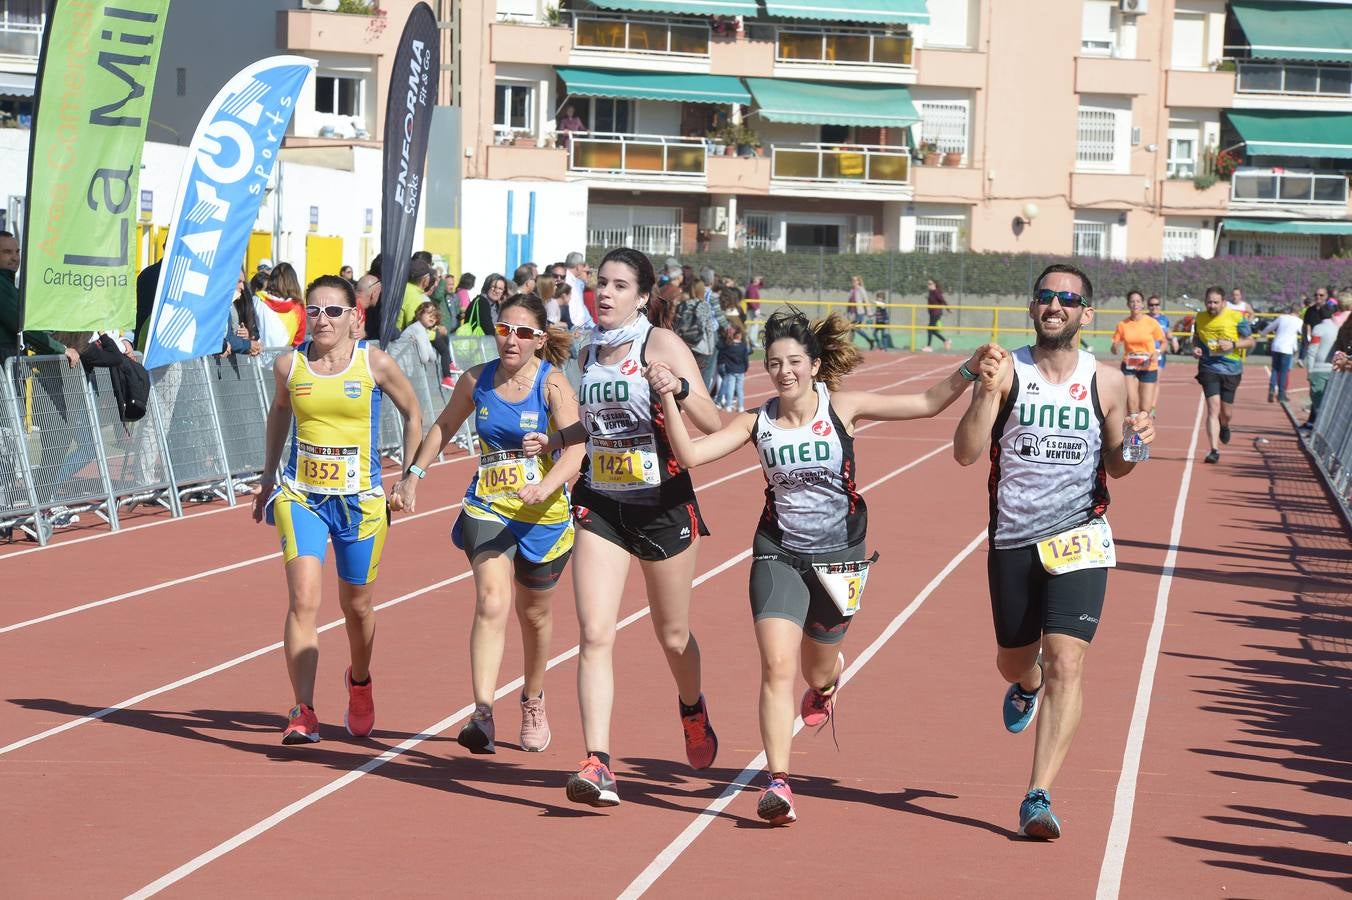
(64, 450)
(1330, 442)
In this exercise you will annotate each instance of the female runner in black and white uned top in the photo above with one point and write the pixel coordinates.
(813, 516)
(633, 500)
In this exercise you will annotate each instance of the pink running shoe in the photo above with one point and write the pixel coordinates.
(776, 803)
(360, 717)
(593, 784)
(302, 726)
(534, 726)
(701, 744)
(818, 705)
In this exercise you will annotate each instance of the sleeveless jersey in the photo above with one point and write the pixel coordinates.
(1047, 470)
(629, 458)
(334, 429)
(503, 469)
(811, 503)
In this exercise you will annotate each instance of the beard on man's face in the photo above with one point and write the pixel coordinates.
(1066, 338)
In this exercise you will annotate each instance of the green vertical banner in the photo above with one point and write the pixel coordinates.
(95, 79)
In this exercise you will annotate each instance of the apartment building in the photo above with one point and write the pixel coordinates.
(1091, 127)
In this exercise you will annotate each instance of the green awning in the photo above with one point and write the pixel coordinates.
(878, 12)
(672, 86)
(815, 103)
(684, 7)
(1281, 132)
(1286, 226)
(1314, 31)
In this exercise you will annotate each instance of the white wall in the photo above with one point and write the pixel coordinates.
(953, 23)
(560, 221)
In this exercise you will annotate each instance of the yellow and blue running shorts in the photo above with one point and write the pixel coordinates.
(356, 523)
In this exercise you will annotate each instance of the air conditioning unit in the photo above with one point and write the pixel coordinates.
(332, 5)
(714, 219)
(1134, 7)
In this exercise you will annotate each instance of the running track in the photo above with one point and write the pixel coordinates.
(144, 690)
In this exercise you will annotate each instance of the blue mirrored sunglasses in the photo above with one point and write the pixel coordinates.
(1069, 299)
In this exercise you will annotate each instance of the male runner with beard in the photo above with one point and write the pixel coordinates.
(1054, 417)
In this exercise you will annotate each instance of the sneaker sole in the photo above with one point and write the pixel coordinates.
(366, 733)
(1041, 830)
(540, 749)
(776, 811)
(580, 790)
(476, 746)
(299, 737)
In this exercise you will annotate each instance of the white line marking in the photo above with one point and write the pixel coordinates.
(706, 816)
(310, 799)
(1119, 832)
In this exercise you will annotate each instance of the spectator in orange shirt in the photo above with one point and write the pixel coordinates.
(1136, 338)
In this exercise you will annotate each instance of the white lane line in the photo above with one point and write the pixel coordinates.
(205, 673)
(1119, 832)
(128, 595)
(310, 799)
(706, 816)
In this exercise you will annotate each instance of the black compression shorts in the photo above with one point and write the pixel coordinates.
(482, 536)
(784, 587)
(649, 532)
(1027, 603)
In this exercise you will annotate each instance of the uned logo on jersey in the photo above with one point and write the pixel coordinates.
(1078, 392)
(628, 367)
(821, 428)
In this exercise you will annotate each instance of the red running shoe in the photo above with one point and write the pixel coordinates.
(701, 744)
(593, 784)
(302, 726)
(776, 803)
(360, 717)
(818, 705)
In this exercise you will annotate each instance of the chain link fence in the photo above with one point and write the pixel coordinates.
(1330, 443)
(64, 451)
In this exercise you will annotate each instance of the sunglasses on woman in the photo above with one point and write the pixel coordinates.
(1069, 299)
(333, 312)
(522, 332)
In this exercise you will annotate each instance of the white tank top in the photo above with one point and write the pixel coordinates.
(1047, 470)
(811, 503)
(628, 455)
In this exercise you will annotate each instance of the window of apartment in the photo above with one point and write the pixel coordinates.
(1181, 243)
(1305, 246)
(1189, 44)
(1098, 36)
(338, 94)
(760, 233)
(1090, 239)
(950, 24)
(610, 116)
(1096, 137)
(945, 123)
(514, 107)
(516, 9)
(938, 234)
(1182, 160)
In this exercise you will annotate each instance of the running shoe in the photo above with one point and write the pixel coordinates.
(477, 735)
(534, 726)
(1019, 707)
(1213, 457)
(701, 744)
(593, 784)
(817, 705)
(1036, 819)
(1225, 434)
(360, 717)
(776, 803)
(302, 726)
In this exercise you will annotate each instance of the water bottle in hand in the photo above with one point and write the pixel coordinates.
(1133, 448)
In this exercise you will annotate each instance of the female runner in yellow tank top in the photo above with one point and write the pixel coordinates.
(329, 392)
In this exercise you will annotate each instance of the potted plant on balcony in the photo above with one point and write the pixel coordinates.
(1226, 163)
(929, 153)
(952, 158)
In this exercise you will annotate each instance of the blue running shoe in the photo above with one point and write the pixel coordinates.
(1019, 707)
(1036, 819)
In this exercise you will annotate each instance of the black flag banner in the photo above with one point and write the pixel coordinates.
(408, 121)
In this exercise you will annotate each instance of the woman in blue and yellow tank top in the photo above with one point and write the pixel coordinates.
(329, 392)
(515, 522)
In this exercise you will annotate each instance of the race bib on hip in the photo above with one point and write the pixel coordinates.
(1136, 361)
(327, 470)
(624, 464)
(1089, 546)
(844, 582)
(504, 473)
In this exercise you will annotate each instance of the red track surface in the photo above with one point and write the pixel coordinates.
(1243, 769)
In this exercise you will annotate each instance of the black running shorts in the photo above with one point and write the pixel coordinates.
(481, 536)
(651, 532)
(783, 586)
(1027, 603)
(1214, 383)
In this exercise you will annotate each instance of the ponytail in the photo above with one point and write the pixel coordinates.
(558, 347)
(829, 342)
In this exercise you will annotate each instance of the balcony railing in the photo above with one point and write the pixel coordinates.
(636, 154)
(640, 34)
(651, 239)
(835, 163)
(1304, 79)
(19, 35)
(1282, 188)
(843, 47)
